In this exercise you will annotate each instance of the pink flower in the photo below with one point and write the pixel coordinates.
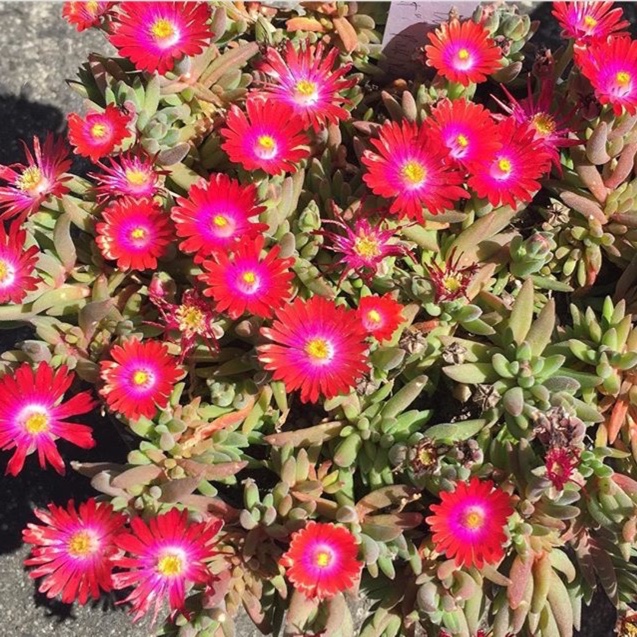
(128, 175)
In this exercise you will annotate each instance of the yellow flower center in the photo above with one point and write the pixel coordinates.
(81, 544)
(30, 178)
(249, 277)
(141, 377)
(266, 142)
(373, 316)
(220, 221)
(170, 565)
(136, 177)
(318, 349)
(414, 173)
(452, 283)
(5, 271)
(305, 88)
(473, 519)
(623, 78)
(543, 123)
(366, 246)
(92, 7)
(590, 21)
(162, 29)
(504, 165)
(462, 141)
(36, 423)
(138, 233)
(190, 318)
(323, 559)
(463, 54)
(98, 130)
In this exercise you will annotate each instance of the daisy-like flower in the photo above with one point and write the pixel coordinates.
(589, 21)
(363, 247)
(245, 281)
(30, 184)
(321, 561)
(193, 319)
(134, 233)
(98, 134)
(463, 52)
(163, 558)
(412, 169)
(128, 175)
(139, 379)
(550, 124)
(73, 549)
(511, 175)
(270, 137)
(33, 416)
(469, 523)
(83, 15)
(153, 35)
(380, 316)
(466, 129)
(317, 347)
(306, 80)
(560, 463)
(16, 264)
(450, 281)
(611, 67)
(216, 214)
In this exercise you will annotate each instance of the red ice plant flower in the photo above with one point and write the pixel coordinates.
(31, 184)
(215, 215)
(245, 281)
(72, 549)
(463, 52)
(450, 281)
(269, 137)
(164, 556)
(139, 379)
(511, 175)
(321, 561)
(153, 35)
(469, 523)
(611, 68)
(128, 175)
(16, 264)
(317, 347)
(98, 134)
(410, 168)
(560, 466)
(83, 15)
(134, 233)
(380, 316)
(589, 21)
(466, 129)
(33, 415)
(305, 80)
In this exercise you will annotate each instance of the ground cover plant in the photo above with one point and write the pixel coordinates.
(363, 333)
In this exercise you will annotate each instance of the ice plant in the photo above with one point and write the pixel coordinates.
(268, 136)
(466, 129)
(193, 319)
(164, 556)
(468, 525)
(139, 379)
(245, 280)
(306, 80)
(321, 560)
(98, 133)
(560, 463)
(31, 184)
(134, 233)
(216, 214)
(611, 68)
(589, 21)
(463, 52)
(127, 175)
(450, 280)
(409, 168)
(512, 174)
(316, 347)
(154, 35)
(73, 549)
(380, 316)
(83, 15)
(33, 415)
(16, 264)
